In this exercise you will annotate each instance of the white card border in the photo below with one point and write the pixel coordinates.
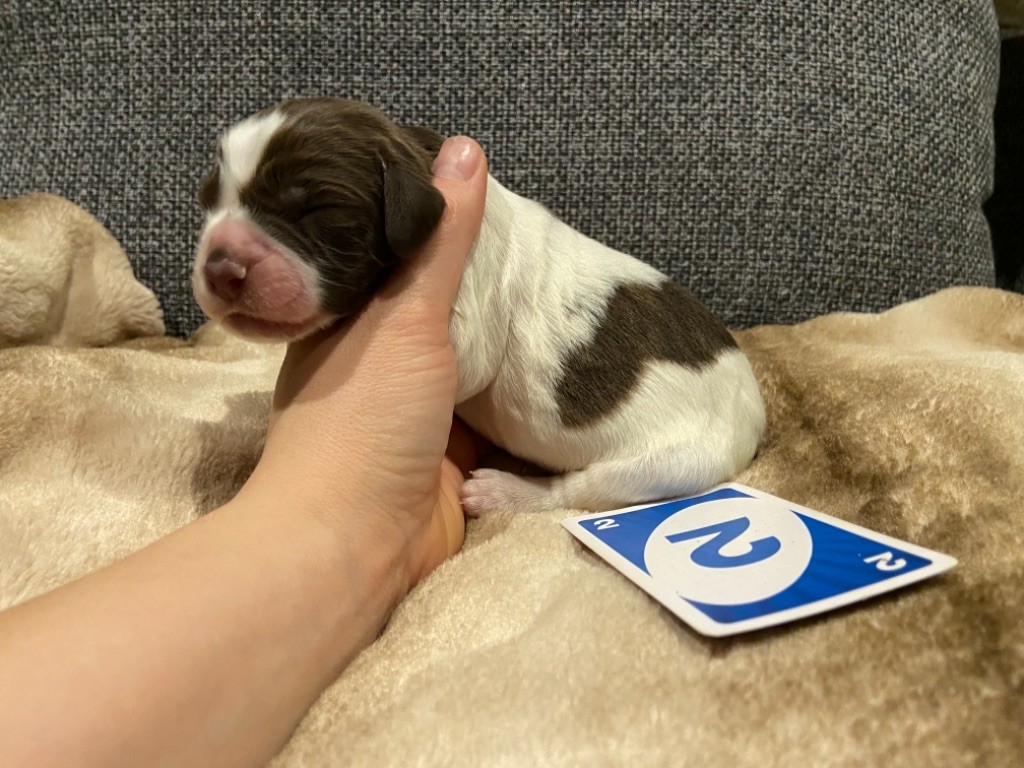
(704, 624)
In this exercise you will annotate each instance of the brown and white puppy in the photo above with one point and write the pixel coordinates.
(571, 355)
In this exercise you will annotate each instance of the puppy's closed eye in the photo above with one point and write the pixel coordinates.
(295, 196)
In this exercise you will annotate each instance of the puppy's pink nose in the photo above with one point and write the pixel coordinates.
(225, 275)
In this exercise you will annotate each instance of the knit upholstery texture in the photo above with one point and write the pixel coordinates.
(782, 159)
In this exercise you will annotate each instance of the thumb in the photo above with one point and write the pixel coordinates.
(434, 273)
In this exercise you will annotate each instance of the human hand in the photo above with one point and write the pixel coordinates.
(359, 432)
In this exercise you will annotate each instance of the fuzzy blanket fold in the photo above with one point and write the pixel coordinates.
(525, 649)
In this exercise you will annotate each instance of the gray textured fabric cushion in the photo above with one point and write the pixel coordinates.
(781, 158)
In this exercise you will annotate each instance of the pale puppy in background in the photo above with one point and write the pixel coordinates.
(578, 358)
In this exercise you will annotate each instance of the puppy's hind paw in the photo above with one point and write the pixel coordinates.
(489, 490)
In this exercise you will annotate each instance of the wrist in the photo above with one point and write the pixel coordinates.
(359, 554)
(403, 533)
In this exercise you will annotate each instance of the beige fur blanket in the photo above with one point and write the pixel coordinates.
(525, 649)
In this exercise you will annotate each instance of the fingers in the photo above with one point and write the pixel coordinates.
(460, 173)
(465, 447)
(451, 514)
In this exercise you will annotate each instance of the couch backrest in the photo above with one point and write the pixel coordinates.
(779, 158)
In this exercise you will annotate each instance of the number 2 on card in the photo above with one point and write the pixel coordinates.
(709, 554)
(885, 562)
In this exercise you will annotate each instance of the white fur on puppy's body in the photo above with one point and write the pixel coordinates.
(534, 290)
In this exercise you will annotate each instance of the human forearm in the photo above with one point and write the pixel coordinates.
(262, 606)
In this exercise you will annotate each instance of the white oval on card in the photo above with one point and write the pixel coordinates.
(730, 551)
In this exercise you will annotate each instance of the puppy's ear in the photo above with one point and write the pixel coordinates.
(412, 209)
(209, 189)
(427, 138)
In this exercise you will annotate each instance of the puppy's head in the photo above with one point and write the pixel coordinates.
(310, 205)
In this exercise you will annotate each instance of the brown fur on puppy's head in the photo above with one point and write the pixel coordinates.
(310, 206)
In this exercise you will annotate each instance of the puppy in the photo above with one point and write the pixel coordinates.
(578, 358)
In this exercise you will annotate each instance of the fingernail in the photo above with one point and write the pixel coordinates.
(458, 159)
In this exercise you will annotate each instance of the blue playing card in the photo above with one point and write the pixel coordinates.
(734, 559)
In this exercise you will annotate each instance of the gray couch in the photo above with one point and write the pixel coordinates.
(781, 159)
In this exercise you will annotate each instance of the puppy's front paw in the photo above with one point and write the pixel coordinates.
(491, 489)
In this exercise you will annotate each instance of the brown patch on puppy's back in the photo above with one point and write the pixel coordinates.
(642, 323)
